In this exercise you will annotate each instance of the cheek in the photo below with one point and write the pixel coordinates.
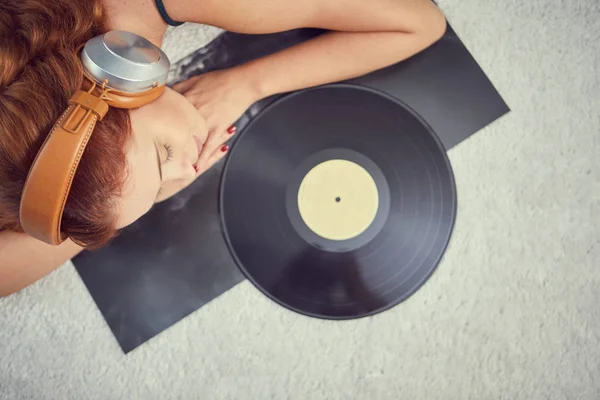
(176, 182)
(141, 186)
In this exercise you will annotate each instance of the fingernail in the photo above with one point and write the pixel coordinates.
(196, 168)
(231, 130)
(224, 148)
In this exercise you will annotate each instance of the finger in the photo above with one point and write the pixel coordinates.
(183, 86)
(231, 130)
(215, 141)
(216, 155)
(209, 152)
(212, 143)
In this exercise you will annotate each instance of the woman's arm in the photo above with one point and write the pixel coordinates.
(366, 36)
(370, 35)
(331, 57)
(24, 260)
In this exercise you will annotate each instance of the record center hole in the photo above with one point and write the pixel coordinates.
(337, 199)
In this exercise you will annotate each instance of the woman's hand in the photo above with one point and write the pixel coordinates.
(221, 97)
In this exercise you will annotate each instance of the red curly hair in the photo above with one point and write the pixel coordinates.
(39, 71)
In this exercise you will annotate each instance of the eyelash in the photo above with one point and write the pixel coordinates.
(169, 150)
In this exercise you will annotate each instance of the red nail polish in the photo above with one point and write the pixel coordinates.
(231, 129)
(224, 148)
(196, 168)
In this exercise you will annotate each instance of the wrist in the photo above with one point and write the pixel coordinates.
(255, 81)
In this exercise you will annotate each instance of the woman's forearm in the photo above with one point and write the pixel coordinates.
(24, 260)
(333, 57)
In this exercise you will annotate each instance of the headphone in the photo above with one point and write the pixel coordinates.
(121, 70)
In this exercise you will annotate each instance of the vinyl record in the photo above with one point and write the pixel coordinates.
(337, 202)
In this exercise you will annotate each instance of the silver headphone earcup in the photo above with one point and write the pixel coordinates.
(129, 62)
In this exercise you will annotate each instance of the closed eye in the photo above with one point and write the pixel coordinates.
(169, 150)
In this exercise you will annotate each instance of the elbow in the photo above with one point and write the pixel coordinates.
(440, 26)
(435, 26)
(431, 26)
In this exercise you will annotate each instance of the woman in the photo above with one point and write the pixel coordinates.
(139, 157)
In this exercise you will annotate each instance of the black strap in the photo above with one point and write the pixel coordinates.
(165, 15)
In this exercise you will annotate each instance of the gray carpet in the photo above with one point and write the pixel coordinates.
(513, 312)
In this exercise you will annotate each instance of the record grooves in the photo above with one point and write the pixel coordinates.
(337, 202)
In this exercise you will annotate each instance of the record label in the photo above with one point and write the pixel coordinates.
(338, 199)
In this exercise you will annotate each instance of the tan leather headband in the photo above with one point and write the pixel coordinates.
(51, 175)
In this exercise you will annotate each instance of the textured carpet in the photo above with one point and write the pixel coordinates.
(511, 313)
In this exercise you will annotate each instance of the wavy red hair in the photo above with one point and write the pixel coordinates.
(39, 71)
